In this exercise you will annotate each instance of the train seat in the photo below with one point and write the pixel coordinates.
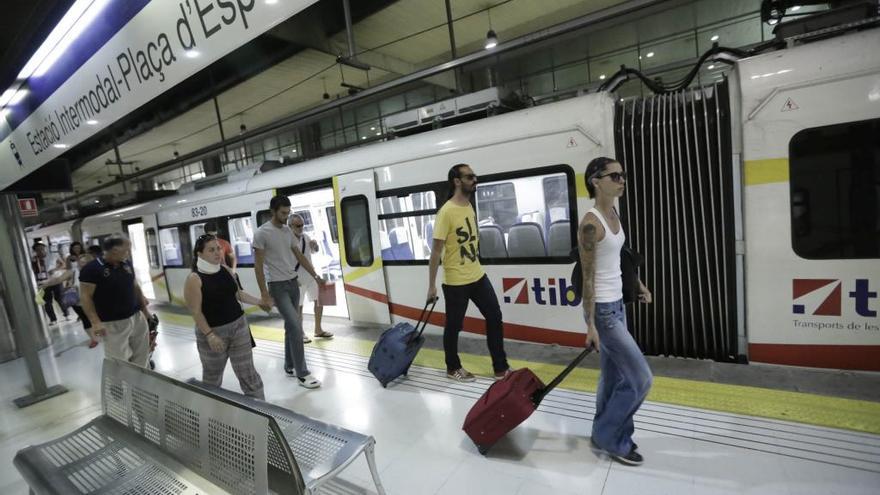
(492, 242)
(525, 240)
(560, 238)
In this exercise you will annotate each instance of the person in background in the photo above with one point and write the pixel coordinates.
(307, 286)
(456, 239)
(212, 295)
(76, 250)
(52, 292)
(69, 278)
(275, 258)
(229, 260)
(624, 375)
(114, 304)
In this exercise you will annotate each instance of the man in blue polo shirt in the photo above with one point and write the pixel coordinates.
(114, 303)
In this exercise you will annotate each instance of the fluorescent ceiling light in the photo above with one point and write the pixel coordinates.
(796, 8)
(19, 95)
(602, 76)
(92, 122)
(650, 54)
(714, 38)
(60, 146)
(192, 53)
(6, 96)
(711, 67)
(71, 26)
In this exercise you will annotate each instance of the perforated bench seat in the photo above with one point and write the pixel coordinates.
(321, 450)
(105, 457)
(161, 436)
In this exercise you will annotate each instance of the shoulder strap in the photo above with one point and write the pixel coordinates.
(301, 250)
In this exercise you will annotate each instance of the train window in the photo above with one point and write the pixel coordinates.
(417, 201)
(241, 236)
(834, 175)
(263, 216)
(169, 240)
(356, 231)
(152, 248)
(525, 217)
(331, 219)
(406, 238)
(195, 231)
(496, 204)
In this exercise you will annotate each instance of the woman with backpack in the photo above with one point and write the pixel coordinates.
(624, 378)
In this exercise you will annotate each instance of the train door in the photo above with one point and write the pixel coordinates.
(318, 211)
(359, 252)
(140, 256)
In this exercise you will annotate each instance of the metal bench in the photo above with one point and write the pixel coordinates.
(321, 450)
(161, 436)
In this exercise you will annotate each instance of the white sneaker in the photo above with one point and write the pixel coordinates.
(309, 381)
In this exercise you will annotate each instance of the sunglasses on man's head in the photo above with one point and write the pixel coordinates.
(615, 176)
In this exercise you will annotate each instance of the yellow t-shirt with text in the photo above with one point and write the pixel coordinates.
(457, 226)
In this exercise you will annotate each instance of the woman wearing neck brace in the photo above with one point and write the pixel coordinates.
(212, 295)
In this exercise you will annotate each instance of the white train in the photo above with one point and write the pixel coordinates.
(756, 203)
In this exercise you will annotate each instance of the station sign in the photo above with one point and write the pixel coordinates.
(116, 60)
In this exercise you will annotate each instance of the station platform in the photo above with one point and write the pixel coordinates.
(707, 428)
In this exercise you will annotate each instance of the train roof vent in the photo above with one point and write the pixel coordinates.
(444, 110)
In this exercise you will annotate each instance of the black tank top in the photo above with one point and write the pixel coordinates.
(219, 304)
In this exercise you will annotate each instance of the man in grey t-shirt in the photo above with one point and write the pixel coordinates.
(275, 260)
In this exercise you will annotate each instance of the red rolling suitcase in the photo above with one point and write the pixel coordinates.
(508, 402)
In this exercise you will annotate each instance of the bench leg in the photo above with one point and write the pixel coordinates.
(369, 453)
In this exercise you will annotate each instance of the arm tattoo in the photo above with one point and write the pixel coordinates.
(587, 249)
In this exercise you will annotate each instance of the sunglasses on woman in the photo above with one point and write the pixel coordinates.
(615, 176)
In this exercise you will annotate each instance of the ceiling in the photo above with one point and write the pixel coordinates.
(399, 39)
(395, 38)
(23, 26)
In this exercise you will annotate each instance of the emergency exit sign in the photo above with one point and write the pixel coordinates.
(27, 207)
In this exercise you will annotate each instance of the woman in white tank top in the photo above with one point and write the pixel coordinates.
(625, 377)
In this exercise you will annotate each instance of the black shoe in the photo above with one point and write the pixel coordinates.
(288, 371)
(631, 459)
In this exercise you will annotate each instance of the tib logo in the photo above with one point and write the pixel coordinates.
(805, 291)
(552, 292)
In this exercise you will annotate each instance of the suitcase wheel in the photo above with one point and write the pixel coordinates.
(483, 449)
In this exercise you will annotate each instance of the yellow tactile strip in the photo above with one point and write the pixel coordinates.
(856, 415)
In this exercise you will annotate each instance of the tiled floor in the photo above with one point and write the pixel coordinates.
(422, 450)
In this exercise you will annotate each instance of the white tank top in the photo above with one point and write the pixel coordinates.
(608, 283)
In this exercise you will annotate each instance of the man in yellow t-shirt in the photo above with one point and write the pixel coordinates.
(457, 239)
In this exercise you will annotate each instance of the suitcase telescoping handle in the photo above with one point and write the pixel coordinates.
(423, 318)
(540, 394)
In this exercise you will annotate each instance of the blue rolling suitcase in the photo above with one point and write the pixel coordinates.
(397, 347)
